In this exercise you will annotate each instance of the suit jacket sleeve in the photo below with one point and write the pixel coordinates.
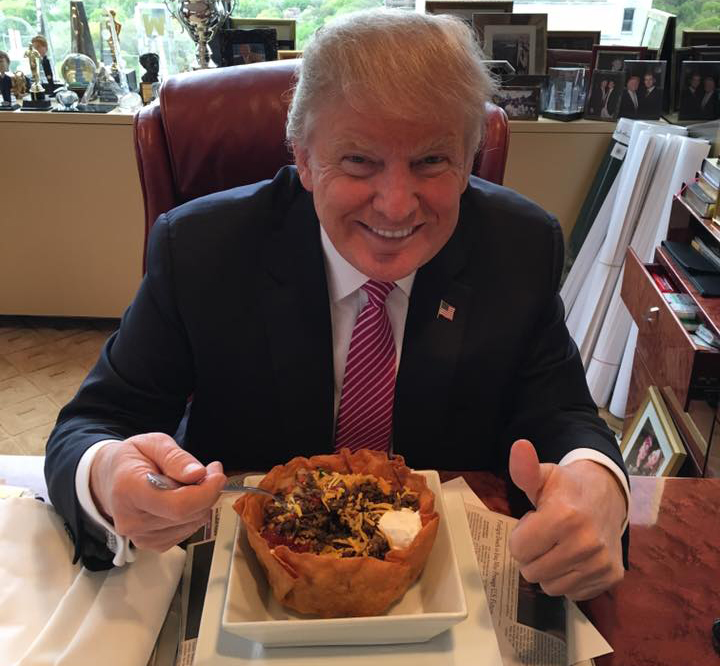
(140, 383)
(553, 405)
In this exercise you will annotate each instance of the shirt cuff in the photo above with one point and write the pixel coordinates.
(119, 545)
(602, 459)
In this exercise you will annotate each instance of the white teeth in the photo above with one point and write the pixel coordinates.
(386, 233)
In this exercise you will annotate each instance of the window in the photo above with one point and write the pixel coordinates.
(627, 22)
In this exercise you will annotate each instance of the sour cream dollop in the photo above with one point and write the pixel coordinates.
(400, 527)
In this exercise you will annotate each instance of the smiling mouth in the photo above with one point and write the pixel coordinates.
(394, 234)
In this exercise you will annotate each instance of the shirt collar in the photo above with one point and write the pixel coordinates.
(344, 278)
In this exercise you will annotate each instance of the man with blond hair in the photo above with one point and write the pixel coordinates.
(256, 304)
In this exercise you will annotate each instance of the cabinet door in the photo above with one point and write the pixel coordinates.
(663, 344)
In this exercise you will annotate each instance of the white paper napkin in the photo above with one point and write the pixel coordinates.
(55, 613)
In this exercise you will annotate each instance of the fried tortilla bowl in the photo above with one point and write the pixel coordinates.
(328, 586)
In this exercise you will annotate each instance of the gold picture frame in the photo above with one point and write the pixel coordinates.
(652, 445)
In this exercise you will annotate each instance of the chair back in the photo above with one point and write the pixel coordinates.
(219, 128)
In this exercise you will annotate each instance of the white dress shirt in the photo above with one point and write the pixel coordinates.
(346, 300)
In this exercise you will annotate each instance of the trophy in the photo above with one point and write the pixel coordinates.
(37, 101)
(201, 19)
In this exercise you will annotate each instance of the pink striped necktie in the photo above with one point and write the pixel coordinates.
(366, 401)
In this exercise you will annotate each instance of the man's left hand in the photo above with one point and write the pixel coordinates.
(570, 544)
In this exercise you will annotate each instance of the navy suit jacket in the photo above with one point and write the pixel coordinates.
(234, 314)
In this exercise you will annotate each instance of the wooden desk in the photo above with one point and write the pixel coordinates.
(662, 612)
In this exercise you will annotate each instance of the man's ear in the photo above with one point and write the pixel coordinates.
(302, 161)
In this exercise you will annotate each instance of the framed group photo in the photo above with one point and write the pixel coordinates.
(652, 445)
(698, 96)
(521, 39)
(644, 89)
(605, 93)
(521, 102)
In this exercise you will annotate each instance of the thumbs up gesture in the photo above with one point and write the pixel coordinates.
(570, 544)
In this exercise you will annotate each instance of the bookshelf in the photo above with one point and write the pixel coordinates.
(665, 355)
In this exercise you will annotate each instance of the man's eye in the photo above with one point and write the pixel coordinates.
(433, 159)
(357, 165)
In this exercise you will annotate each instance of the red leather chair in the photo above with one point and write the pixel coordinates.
(217, 129)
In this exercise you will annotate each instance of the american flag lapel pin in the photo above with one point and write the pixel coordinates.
(446, 311)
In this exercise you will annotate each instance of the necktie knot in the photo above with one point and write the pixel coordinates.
(377, 291)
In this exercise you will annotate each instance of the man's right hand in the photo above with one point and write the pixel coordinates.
(153, 519)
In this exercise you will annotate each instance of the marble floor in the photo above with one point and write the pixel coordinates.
(43, 360)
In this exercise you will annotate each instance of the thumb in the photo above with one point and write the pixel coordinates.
(170, 459)
(526, 471)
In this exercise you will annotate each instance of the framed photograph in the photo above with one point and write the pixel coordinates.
(701, 38)
(603, 98)
(695, 444)
(465, 9)
(698, 98)
(518, 38)
(680, 55)
(655, 33)
(612, 58)
(643, 94)
(519, 102)
(652, 445)
(569, 58)
(573, 40)
(244, 47)
(705, 52)
(285, 29)
(501, 69)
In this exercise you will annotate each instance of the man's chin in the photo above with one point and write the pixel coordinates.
(388, 268)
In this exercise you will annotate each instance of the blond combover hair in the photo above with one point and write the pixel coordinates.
(397, 63)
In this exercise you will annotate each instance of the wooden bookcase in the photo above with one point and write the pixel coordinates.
(665, 355)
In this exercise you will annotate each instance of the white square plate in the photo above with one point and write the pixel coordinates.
(433, 604)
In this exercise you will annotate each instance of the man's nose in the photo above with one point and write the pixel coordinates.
(396, 196)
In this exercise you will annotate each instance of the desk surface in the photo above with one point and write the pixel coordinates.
(661, 614)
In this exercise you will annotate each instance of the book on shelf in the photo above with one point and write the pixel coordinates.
(699, 200)
(706, 251)
(711, 170)
(707, 186)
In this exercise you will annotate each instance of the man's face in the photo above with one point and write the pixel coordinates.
(611, 85)
(695, 81)
(386, 191)
(709, 84)
(4, 65)
(649, 81)
(633, 83)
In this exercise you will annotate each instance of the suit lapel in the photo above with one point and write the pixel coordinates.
(431, 347)
(297, 313)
